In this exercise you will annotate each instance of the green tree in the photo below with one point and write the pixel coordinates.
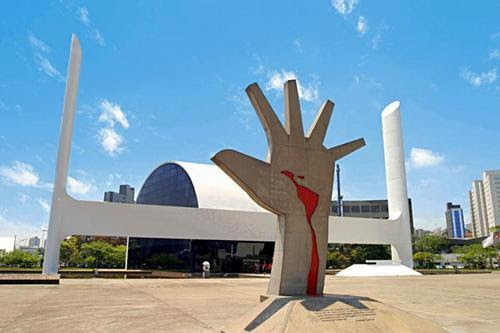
(69, 252)
(370, 252)
(18, 258)
(102, 254)
(431, 243)
(474, 255)
(337, 260)
(425, 259)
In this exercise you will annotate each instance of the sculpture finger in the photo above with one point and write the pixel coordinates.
(251, 174)
(293, 116)
(275, 132)
(342, 150)
(317, 131)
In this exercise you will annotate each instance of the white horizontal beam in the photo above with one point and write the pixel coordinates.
(134, 220)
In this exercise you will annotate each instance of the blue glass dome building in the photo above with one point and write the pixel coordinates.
(198, 186)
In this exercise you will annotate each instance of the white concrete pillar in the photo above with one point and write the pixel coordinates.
(397, 193)
(56, 232)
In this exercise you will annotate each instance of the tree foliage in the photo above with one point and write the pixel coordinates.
(431, 244)
(341, 256)
(425, 259)
(337, 260)
(19, 258)
(100, 253)
(476, 256)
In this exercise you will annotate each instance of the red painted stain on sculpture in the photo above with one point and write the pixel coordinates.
(309, 199)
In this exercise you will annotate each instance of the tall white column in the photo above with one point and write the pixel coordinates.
(56, 234)
(397, 193)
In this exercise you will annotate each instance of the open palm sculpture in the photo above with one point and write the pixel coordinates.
(296, 184)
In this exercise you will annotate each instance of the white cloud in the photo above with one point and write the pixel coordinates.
(344, 7)
(40, 52)
(44, 204)
(38, 44)
(79, 187)
(494, 55)
(45, 66)
(84, 17)
(362, 25)
(421, 158)
(23, 197)
(477, 80)
(21, 174)
(99, 39)
(112, 113)
(109, 138)
(309, 92)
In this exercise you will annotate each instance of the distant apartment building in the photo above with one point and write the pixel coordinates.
(125, 195)
(34, 242)
(455, 225)
(484, 200)
(421, 233)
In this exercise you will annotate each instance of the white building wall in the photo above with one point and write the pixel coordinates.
(478, 209)
(491, 185)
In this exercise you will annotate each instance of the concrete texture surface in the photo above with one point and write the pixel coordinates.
(295, 182)
(460, 303)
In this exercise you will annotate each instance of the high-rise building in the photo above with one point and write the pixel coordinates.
(485, 203)
(126, 195)
(455, 225)
(478, 209)
(34, 242)
(491, 184)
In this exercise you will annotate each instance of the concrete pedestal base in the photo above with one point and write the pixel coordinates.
(329, 313)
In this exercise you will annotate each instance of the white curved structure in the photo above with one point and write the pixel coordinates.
(217, 220)
(214, 189)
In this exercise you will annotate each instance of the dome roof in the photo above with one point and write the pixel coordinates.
(212, 188)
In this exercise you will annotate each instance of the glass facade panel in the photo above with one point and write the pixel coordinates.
(188, 255)
(169, 185)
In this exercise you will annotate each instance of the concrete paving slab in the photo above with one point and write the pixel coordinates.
(460, 303)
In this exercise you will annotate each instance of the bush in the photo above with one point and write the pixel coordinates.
(95, 254)
(102, 254)
(18, 258)
(425, 259)
(337, 260)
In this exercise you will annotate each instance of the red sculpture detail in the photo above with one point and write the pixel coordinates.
(310, 201)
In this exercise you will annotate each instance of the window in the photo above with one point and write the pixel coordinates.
(376, 209)
(365, 209)
(354, 209)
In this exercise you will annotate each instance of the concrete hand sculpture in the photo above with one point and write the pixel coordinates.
(296, 184)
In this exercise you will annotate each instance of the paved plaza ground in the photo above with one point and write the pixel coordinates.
(460, 303)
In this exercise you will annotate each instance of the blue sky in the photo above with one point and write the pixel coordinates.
(165, 81)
